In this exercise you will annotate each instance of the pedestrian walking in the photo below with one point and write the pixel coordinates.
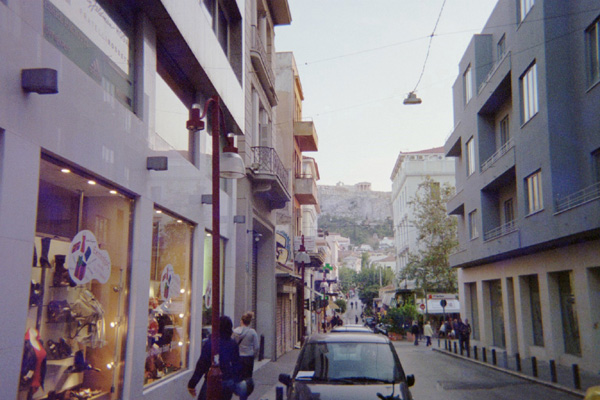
(464, 336)
(415, 331)
(356, 319)
(229, 362)
(428, 332)
(247, 340)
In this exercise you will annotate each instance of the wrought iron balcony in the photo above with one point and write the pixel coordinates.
(269, 176)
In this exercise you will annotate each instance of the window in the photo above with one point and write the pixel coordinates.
(226, 22)
(529, 94)
(473, 234)
(497, 313)
(79, 283)
(596, 165)
(468, 84)
(504, 131)
(501, 47)
(470, 157)
(509, 212)
(167, 348)
(536, 310)
(592, 38)
(534, 192)
(568, 310)
(524, 7)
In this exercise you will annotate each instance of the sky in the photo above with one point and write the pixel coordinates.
(358, 60)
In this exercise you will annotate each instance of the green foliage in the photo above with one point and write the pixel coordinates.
(367, 294)
(359, 232)
(341, 303)
(437, 237)
(347, 277)
(395, 318)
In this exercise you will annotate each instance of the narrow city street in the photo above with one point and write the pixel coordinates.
(440, 376)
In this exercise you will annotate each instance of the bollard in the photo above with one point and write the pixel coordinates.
(553, 371)
(445, 344)
(261, 349)
(518, 360)
(493, 356)
(455, 348)
(534, 367)
(484, 354)
(475, 352)
(461, 350)
(279, 393)
(438, 343)
(576, 377)
(505, 360)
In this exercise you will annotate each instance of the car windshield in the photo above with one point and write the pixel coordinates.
(349, 362)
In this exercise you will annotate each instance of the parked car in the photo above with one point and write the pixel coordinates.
(348, 366)
(352, 328)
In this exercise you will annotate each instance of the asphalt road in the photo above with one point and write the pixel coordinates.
(439, 376)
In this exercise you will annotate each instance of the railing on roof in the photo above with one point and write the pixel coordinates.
(578, 198)
(496, 156)
(501, 230)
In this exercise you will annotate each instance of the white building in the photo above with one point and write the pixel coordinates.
(410, 170)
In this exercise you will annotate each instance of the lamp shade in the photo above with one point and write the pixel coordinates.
(232, 166)
(302, 257)
(412, 99)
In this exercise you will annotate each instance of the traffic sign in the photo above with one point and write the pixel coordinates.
(443, 303)
(422, 306)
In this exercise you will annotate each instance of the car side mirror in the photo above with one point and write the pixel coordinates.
(286, 379)
(410, 380)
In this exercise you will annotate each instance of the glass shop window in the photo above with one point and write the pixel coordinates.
(167, 345)
(74, 342)
(207, 286)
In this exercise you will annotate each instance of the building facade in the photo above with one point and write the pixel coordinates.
(105, 214)
(410, 170)
(527, 149)
(297, 221)
(267, 189)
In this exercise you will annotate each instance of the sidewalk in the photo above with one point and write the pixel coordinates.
(266, 375)
(565, 378)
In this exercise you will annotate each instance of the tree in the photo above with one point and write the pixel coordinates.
(437, 237)
(367, 281)
(342, 304)
(347, 279)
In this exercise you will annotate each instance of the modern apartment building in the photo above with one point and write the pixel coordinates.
(527, 148)
(411, 169)
(105, 214)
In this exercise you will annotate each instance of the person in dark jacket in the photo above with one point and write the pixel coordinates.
(229, 356)
(415, 331)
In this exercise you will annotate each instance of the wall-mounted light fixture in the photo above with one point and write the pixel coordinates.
(39, 80)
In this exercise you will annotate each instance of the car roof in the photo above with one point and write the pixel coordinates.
(337, 337)
(351, 328)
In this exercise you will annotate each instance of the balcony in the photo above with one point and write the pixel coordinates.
(306, 135)
(501, 230)
(269, 177)
(578, 198)
(498, 154)
(305, 190)
(262, 65)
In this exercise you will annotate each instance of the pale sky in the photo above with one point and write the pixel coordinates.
(357, 61)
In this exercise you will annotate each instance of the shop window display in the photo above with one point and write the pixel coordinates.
(74, 342)
(169, 305)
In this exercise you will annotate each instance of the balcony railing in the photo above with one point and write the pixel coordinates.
(259, 48)
(266, 161)
(501, 230)
(576, 199)
(493, 71)
(496, 156)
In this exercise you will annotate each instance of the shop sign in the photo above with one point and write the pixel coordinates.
(170, 283)
(86, 260)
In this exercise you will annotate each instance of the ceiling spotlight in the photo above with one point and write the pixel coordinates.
(412, 99)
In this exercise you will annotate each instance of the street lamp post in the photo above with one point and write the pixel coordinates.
(234, 169)
(303, 258)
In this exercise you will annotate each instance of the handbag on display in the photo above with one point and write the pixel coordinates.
(59, 311)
